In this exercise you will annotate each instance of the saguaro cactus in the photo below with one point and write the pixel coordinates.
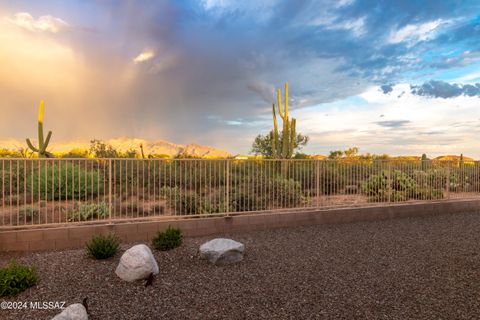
(42, 144)
(286, 147)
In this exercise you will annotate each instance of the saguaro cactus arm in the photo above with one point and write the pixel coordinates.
(293, 136)
(279, 101)
(274, 136)
(30, 145)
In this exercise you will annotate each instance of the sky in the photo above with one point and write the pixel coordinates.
(398, 77)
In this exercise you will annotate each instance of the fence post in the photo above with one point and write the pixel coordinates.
(448, 180)
(389, 181)
(317, 181)
(227, 187)
(110, 189)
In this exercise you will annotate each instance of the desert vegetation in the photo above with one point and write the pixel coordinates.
(52, 191)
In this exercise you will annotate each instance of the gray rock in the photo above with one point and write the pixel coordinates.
(222, 251)
(74, 311)
(137, 263)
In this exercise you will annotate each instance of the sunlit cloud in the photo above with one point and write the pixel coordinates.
(144, 56)
(399, 122)
(45, 23)
(415, 32)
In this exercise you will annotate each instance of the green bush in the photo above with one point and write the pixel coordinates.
(27, 213)
(167, 240)
(183, 202)
(60, 181)
(89, 211)
(12, 176)
(103, 247)
(247, 201)
(15, 278)
(400, 187)
(331, 178)
(286, 193)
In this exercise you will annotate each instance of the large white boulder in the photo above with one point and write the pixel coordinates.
(222, 251)
(137, 263)
(74, 311)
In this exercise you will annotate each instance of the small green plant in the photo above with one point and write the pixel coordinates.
(27, 213)
(89, 211)
(15, 278)
(167, 240)
(103, 247)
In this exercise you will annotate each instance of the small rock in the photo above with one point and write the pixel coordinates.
(137, 263)
(74, 311)
(222, 251)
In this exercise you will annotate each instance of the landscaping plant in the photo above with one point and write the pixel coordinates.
(103, 247)
(167, 240)
(15, 278)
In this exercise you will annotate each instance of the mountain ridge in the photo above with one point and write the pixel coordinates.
(123, 144)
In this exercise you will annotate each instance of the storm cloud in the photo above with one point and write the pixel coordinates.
(170, 69)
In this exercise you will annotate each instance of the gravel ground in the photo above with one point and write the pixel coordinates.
(415, 268)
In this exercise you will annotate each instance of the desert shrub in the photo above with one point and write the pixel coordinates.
(27, 213)
(247, 201)
(332, 179)
(285, 192)
(245, 195)
(12, 176)
(167, 240)
(65, 181)
(305, 173)
(103, 247)
(403, 182)
(76, 153)
(376, 187)
(89, 211)
(15, 278)
(186, 201)
(399, 187)
(429, 193)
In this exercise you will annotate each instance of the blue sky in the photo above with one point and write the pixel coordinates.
(394, 77)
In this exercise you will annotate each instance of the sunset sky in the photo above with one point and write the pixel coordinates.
(397, 77)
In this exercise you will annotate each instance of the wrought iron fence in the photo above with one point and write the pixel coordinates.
(53, 191)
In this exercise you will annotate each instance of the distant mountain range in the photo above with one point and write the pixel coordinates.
(154, 147)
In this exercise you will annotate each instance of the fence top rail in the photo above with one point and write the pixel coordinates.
(346, 161)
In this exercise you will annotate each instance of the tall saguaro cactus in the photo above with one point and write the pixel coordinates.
(285, 148)
(42, 144)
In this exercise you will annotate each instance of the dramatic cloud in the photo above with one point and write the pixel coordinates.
(44, 23)
(205, 71)
(441, 89)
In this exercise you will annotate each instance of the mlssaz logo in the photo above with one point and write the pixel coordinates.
(40, 305)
